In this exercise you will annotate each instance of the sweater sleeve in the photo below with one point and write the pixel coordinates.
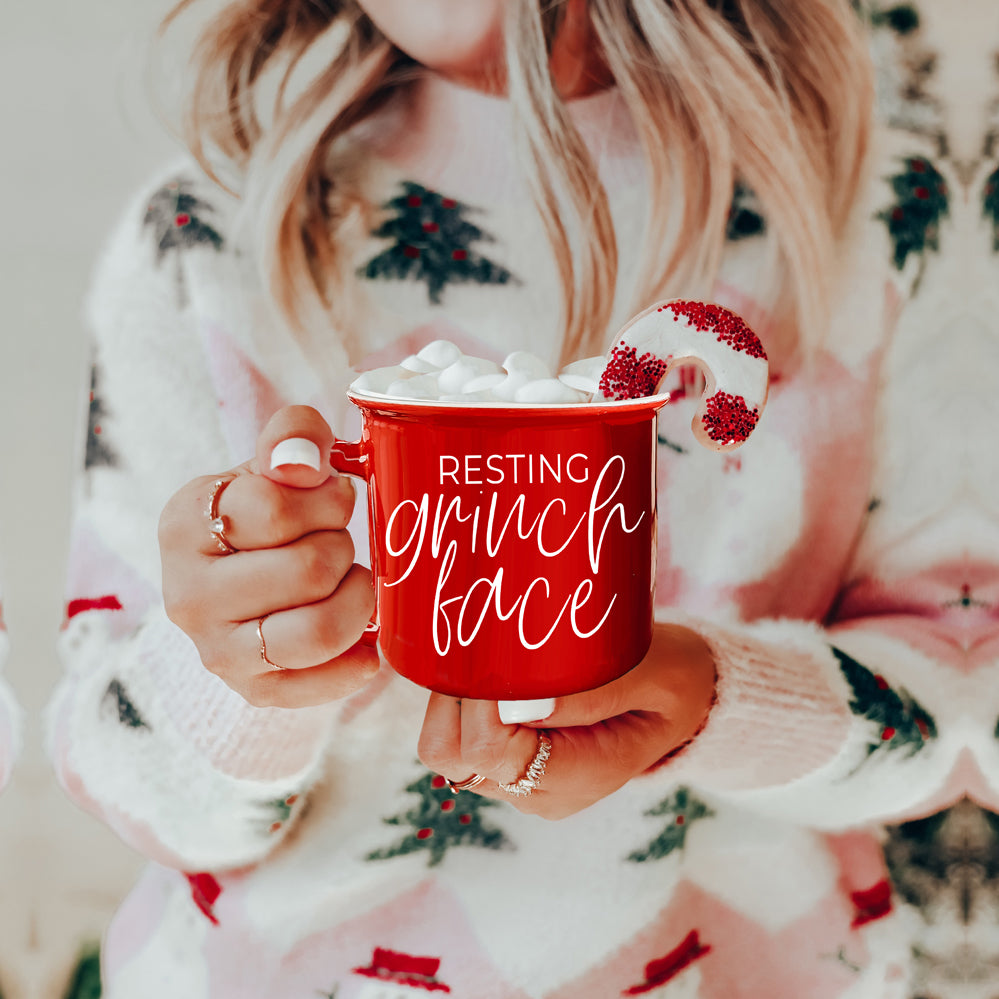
(876, 711)
(140, 732)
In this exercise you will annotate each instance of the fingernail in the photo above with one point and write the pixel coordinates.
(519, 712)
(295, 451)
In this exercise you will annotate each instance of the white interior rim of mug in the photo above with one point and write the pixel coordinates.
(379, 398)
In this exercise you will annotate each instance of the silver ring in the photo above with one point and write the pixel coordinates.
(535, 769)
(219, 525)
(464, 785)
(263, 644)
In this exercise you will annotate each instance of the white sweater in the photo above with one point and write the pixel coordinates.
(842, 567)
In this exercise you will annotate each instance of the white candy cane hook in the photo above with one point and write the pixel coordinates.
(718, 341)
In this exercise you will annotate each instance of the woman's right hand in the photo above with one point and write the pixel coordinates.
(293, 568)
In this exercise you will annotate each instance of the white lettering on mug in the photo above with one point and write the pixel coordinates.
(461, 522)
(518, 468)
(453, 474)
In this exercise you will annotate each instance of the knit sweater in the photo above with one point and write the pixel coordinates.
(827, 565)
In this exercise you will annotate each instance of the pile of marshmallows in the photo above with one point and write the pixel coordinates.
(441, 371)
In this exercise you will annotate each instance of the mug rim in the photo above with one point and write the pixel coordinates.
(380, 399)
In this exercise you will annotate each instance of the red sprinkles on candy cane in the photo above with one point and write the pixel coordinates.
(726, 325)
(719, 341)
(728, 419)
(628, 376)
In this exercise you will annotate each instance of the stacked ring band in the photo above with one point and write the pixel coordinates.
(216, 524)
(464, 785)
(263, 644)
(535, 769)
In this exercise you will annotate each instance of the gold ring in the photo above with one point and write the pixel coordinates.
(216, 524)
(535, 769)
(464, 785)
(263, 644)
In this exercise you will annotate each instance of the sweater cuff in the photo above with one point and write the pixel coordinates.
(235, 737)
(781, 708)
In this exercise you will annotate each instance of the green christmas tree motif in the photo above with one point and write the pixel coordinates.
(98, 450)
(432, 242)
(902, 18)
(990, 206)
(743, 218)
(441, 820)
(683, 809)
(275, 812)
(913, 220)
(117, 701)
(179, 220)
(901, 722)
(85, 978)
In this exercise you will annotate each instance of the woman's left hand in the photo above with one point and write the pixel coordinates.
(600, 738)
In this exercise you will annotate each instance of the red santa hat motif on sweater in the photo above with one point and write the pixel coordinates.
(405, 970)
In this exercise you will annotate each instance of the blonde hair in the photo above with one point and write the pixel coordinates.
(774, 95)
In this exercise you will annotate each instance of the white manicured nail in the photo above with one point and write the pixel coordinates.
(295, 451)
(518, 712)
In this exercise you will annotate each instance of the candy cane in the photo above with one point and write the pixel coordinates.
(718, 341)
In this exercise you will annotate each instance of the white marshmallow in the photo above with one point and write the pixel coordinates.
(507, 389)
(548, 390)
(416, 387)
(584, 375)
(485, 383)
(418, 365)
(580, 383)
(587, 367)
(441, 371)
(440, 353)
(524, 362)
(456, 376)
(379, 379)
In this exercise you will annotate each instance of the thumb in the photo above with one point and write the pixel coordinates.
(294, 447)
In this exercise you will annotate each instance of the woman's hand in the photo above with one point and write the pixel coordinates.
(293, 570)
(600, 738)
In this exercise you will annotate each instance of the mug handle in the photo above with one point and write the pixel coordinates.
(351, 458)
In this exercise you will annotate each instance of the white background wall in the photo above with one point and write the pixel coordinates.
(76, 135)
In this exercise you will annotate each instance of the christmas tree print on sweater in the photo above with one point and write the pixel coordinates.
(900, 722)
(98, 452)
(903, 18)
(682, 810)
(117, 702)
(180, 220)
(744, 219)
(913, 219)
(432, 242)
(990, 206)
(441, 820)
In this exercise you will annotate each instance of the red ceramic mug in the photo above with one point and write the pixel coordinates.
(513, 547)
